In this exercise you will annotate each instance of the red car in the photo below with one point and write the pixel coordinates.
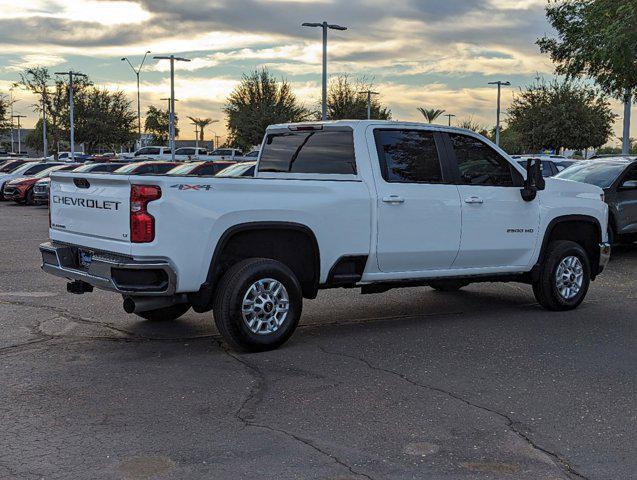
(20, 190)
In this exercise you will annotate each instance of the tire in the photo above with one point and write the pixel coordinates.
(447, 285)
(264, 326)
(29, 198)
(165, 314)
(546, 288)
(611, 234)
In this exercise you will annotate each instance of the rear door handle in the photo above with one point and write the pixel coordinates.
(473, 200)
(393, 199)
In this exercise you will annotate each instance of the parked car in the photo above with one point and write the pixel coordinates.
(189, 154)
(41, 187)
(9, 165)
(613, 155)
(241, 169)
(232, 154)
(251, 156)
(423, 205)
(145, 168)
(200, 168)
(151, 152)
(20, 190)
(618, 177)
(78, 157)
(551, 164)
(27, 169)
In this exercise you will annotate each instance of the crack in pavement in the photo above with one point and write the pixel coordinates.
(251, 402)
(559, 461)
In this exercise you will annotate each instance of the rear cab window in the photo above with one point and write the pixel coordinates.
(312, 152)
(408, 156)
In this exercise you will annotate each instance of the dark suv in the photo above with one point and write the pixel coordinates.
(618, 177)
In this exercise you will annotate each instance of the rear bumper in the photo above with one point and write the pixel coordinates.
(109, 271)
(604, 256)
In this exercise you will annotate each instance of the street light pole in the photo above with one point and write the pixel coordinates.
(172, 59)
(139, 106)
(369, 94)
(626, 137)
(71, 74)
(325, 26)
(19, 137)
(500, 84)
(449, 115)
(11, 101)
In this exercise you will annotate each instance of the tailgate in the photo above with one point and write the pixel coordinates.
(91, 205)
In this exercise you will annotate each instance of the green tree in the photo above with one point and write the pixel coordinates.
(105, 119)
(430, 114)
(258, 101)
(157, 123)
(560, 114)
(201, 123)
(347, 99)
(595, 38)
(470, 124)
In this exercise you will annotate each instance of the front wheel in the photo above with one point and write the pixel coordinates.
(564, 277)
(257, 304)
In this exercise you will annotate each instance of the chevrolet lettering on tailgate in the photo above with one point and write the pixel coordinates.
(87, 202)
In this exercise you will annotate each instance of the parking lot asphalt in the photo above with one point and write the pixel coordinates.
(409, 384)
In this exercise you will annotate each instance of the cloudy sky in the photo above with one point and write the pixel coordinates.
(420, 52)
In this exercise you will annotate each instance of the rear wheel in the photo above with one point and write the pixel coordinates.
(257, 304)
(165, 314)
(564, 276)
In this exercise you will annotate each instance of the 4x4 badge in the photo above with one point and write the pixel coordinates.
(185, 186)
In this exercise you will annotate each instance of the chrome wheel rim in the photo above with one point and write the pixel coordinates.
(265, 306)
(569, 277)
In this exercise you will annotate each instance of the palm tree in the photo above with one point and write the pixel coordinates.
(430, 114)
(201, 123)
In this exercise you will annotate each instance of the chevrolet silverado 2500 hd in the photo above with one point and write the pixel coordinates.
(366, 204)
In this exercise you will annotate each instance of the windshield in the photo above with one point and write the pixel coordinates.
(184, 169)
(10, 166)
(236, 170)
(127, 168)
(46, 173)
(602, 174)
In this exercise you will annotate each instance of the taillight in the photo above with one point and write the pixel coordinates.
(142, 223)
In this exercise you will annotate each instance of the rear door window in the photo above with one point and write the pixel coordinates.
(316, 151)
(408, 156)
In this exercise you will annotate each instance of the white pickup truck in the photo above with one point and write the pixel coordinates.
(366, 204)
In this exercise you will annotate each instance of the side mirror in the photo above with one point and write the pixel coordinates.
(534, 180)
(629, 185)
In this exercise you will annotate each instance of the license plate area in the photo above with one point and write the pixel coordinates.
(84, 258)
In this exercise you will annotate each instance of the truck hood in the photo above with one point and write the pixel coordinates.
(570, 187)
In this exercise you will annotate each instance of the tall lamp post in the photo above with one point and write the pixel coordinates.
(172, 59)
(369, 94)
(449, 115)
(11, 102)
(71, 75)
(139, 105)
(500, 84)
(626, 135)
(19, 137)
(325, 26)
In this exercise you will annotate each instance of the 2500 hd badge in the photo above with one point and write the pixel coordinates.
(87, 202)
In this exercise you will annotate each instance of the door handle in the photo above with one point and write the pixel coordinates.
(473, 199)
(393, 199)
